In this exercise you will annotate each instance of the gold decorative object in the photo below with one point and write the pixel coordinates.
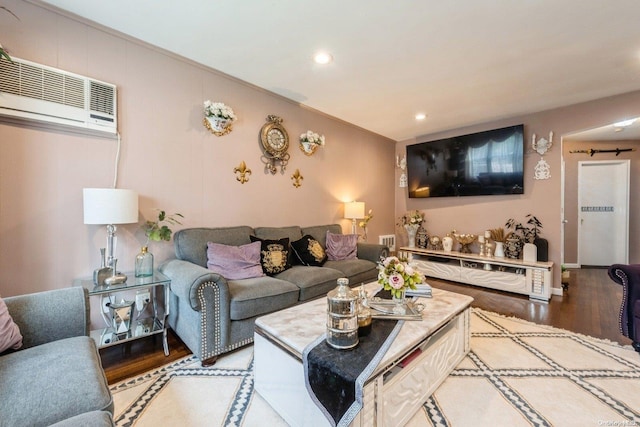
(296, 177)
(275, 143)
(310, 141)
(465, 241)
(243, 171)
(217, 126)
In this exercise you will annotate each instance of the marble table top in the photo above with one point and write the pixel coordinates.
(296, 327)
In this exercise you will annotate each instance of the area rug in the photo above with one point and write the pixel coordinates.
(516, 374)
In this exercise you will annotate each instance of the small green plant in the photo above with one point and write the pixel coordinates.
(3, 53)
(157, 231)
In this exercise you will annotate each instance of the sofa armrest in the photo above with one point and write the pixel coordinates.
(50, 315)
(187, 277)
(372, 251)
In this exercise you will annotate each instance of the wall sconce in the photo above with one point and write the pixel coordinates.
(353, 211)
(541, 146)
(402, 165)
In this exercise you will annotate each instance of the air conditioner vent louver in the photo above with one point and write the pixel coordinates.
(101, 98)
(37, 92)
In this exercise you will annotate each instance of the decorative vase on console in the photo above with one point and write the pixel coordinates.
(422, 237)
(499, 252)
(411, 221)
(412, 231)
(513, 247)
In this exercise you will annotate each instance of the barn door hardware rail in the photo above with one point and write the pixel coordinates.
(592, 151)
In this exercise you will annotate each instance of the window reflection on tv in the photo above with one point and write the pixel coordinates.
(478, 164)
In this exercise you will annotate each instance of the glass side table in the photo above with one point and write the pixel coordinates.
(152, 295)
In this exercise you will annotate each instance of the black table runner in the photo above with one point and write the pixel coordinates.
(335, 378)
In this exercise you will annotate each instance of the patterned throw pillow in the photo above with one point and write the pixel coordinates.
(274, 255)
(342, 246)
(309, 251)
(234, 262)
(10, 337)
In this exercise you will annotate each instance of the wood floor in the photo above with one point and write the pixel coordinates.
(590, 306)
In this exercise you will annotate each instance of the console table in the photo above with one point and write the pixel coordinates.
(506, 274)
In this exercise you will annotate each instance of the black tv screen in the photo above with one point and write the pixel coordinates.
(478, 164)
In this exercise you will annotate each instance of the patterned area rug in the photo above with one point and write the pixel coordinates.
(516, 374)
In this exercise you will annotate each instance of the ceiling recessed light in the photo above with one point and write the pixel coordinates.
(421, 116)
(322, 58)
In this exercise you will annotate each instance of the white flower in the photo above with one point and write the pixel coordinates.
(218, 109)
(312, 137)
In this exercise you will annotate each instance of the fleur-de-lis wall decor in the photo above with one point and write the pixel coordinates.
(297, 178)
(243, 171)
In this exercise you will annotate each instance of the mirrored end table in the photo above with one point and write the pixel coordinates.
(135, 309)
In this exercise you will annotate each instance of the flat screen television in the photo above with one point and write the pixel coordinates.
(478, 164)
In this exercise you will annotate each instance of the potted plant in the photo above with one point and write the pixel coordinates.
(499, 237)
(3, 53)
(528, 233)
(157, 231)
(218, 117)
(310, 141)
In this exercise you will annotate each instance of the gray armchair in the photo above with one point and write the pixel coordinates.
(56, 377)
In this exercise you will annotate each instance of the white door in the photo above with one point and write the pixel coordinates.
(603, 212)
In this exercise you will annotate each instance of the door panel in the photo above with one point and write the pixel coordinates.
(603, 204)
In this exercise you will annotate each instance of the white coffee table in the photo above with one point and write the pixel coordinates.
(393, 394)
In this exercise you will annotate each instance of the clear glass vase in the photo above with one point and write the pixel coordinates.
(399, 299)
(144, 263)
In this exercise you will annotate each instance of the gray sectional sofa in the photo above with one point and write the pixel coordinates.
(56, 378)
(213, 315)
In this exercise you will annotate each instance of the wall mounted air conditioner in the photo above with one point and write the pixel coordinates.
(52, 97)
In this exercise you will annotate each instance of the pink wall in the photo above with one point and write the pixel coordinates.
(542, 198)
(571, 192)
(177, 165)
(168, 157)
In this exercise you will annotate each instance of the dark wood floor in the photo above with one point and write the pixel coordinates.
(590, 306)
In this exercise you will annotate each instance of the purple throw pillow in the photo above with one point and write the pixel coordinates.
(10, 336)
(235, 262)
(341, 246)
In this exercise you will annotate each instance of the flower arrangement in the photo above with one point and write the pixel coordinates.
(396, 275)
(218, 110)
(368, 217)
(414, 217)
(312, 138)
(154, 231)
(365, 221)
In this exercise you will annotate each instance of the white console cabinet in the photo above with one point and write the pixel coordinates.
(506, 274)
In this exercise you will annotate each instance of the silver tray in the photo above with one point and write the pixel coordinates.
(387, 309)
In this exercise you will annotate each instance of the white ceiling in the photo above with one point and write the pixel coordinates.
(461, 62)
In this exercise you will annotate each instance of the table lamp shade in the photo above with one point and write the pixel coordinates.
(353, 210)
(110, 206)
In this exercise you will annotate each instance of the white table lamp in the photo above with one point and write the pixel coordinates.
(110, 206)
(353, 211)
